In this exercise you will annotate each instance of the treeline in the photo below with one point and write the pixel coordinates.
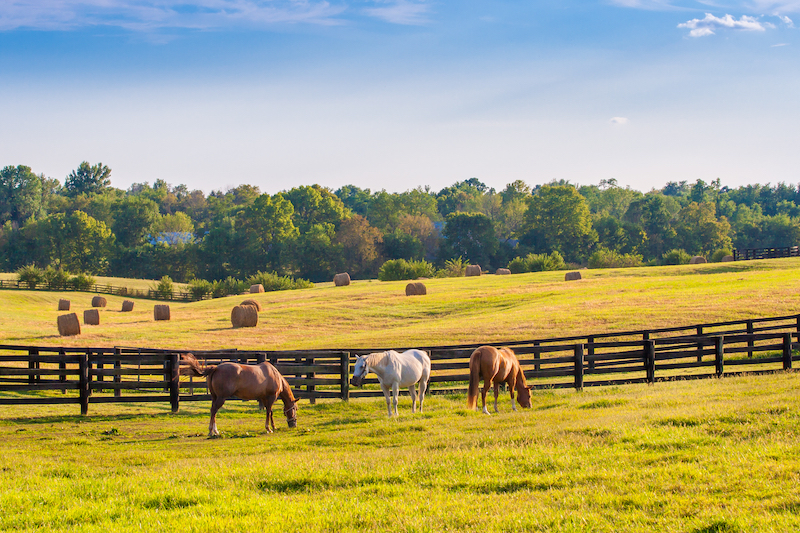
(150, 231)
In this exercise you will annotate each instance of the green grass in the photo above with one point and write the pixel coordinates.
(700, 456)
(456, 310)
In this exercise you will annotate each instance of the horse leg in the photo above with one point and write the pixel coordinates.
(423, 386)
(486, 384)
(396, 397)
(512, 384)
(216, 404)
(496, 394)
(268, 403)
(388, 400)
(412, 391)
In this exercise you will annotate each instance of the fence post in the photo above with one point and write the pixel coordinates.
(699, 344)
(750, 342)
(719, 353)
(787, 351)
(537, 354)
(117, 372)
(84, 382)
(33, 364)
(62, 367)
(590, 351)
(100, 366)
(579, 367)
(311, 388)
(650, 360)
(345, 375)
(174, 381)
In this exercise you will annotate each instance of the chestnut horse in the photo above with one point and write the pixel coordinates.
(260, 382)
(496, 366)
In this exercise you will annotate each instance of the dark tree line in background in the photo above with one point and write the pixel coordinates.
(150, 231)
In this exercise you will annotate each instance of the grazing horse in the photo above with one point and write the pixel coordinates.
(260, 382)
(496, 367)
(395, 370)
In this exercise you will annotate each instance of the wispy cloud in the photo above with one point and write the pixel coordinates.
(746, 6)
(707, 25)
(407, 12)
(786, 20)
(158, 14)
(618, 121)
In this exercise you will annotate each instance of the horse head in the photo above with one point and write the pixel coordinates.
(524, 396)
(360, 371)
(290, 410)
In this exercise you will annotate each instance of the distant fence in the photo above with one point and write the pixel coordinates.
(178, 296)
(766, 253)
(47, 375)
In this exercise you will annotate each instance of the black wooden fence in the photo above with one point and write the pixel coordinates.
(151, 294)
(47, 375)
(766, 253)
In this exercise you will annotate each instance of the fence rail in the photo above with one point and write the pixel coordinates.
(152, 294)
(766, 253)
(47, 375)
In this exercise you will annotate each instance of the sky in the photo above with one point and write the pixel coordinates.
(396, 94)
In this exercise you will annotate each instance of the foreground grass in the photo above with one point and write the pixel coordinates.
(456, 310)
(707, 456)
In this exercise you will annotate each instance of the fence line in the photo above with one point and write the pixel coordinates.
(151, 294)
(766, 253)
(35, 375)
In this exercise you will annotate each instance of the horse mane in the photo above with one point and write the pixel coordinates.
(286, 390)
(375, 359)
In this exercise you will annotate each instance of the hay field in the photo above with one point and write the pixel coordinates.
(455, 310)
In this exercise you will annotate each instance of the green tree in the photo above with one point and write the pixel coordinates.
(698, 230)
(654, 213)
(134, 219)
(470, 235)
(558, 219)
(359, 244)
(21, 195)
(87, 179)
(77, 242)
(266, 228)
(315, 205)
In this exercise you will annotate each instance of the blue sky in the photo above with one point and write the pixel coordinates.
(400, 93)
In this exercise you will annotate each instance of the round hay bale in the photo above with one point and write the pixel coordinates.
(572, 276)
(697, 260)
(161, 312)
(99, 301)
(255, 289)
(63, 305)
(502, 272)
(727, 258)
(91, 317)
(416, 289)
(473, 270)
(244, 316)
(341, 280)
(252, 303)
(68, 325)
(127, 305)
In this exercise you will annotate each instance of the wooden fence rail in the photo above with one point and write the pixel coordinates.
(151, 294)
(766, 253)
(48, 375)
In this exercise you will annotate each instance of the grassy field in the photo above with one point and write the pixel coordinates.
(704, 456)
(710, 456)
(456, 310)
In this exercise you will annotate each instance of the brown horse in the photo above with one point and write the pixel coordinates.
(260, 382)
(496, 367)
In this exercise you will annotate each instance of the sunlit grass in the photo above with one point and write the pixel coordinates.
(712, 455)
(455, 310)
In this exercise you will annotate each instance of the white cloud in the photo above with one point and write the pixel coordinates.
(786, 20)
(157, 14)
(407, 12)
(751, 6)
(619, 121)
(707, 25)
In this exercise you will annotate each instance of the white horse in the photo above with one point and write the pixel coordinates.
(395, 370)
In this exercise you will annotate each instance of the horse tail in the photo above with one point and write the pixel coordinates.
(191, 367)
(474, 378)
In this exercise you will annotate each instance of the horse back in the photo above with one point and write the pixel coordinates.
(248, 382)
